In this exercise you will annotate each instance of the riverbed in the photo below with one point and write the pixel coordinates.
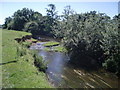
(62, 74)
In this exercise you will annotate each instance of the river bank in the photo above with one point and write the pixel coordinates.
(64, 75)
(19, 71)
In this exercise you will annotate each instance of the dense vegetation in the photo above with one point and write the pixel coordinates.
(18, 69)
(92, 39)
(31, 21)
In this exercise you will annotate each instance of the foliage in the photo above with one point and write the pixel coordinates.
(110, 65)
(30, 21)
(7, 21)
(31, 27)
(50, 19)
(111, 46)
(51, 11)
(39, 62)
(26, 44)
(90, 38)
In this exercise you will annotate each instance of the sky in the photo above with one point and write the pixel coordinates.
(8, 8)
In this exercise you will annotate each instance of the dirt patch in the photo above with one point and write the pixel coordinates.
(27, 37)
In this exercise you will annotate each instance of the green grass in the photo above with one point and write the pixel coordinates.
(48, 44)
(57, 49)
(60, 49)
(33, 39)
(47, 49)
(22, 73)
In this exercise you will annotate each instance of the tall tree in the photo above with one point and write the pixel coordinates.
(19, 19)
(7, 21)
(50, 19)
(51, 11)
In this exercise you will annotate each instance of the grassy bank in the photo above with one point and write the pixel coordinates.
(50, 44)
(19, 71)
(58, 47)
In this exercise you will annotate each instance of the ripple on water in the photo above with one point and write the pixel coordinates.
(61, 74)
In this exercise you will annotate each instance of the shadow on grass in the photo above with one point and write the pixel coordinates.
(8, 62)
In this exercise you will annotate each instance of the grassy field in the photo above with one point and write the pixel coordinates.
(19, 72)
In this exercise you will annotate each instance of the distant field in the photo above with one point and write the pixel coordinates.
(19, 72)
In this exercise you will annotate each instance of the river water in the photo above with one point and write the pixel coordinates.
(62, 74)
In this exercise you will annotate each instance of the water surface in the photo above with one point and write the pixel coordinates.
(62, 74)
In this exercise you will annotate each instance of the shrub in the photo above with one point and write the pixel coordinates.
(92, 38)
(26, 44)
(39, 62)
(110, 65)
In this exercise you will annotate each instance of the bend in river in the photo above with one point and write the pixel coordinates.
(61, 74)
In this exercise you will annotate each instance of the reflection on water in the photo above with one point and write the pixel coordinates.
(62, 74)
(57, 62)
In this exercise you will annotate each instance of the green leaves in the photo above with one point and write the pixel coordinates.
(92, 35)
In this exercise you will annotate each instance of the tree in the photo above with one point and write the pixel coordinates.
(111, 46)
(83, 34)
(64, 23)
(32, 27)
(68, 11)
(7, 21)
(50, 19)
(51, 11)
(19, 19)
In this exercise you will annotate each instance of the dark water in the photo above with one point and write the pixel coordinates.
(62, 74)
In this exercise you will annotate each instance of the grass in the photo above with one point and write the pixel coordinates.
(48, 44)
(33, 39)
(47, 49)
(19, 71)
(57, 49)
(60, 49)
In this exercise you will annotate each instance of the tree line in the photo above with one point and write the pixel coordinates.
(30, 21)
(92, 39)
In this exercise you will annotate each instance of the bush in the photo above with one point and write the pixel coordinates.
(26, 44)
(39, 62)
(110, 65)
(92, 38)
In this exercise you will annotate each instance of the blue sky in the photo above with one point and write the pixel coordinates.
(8, 8)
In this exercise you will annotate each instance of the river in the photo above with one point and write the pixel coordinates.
(62, 74)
